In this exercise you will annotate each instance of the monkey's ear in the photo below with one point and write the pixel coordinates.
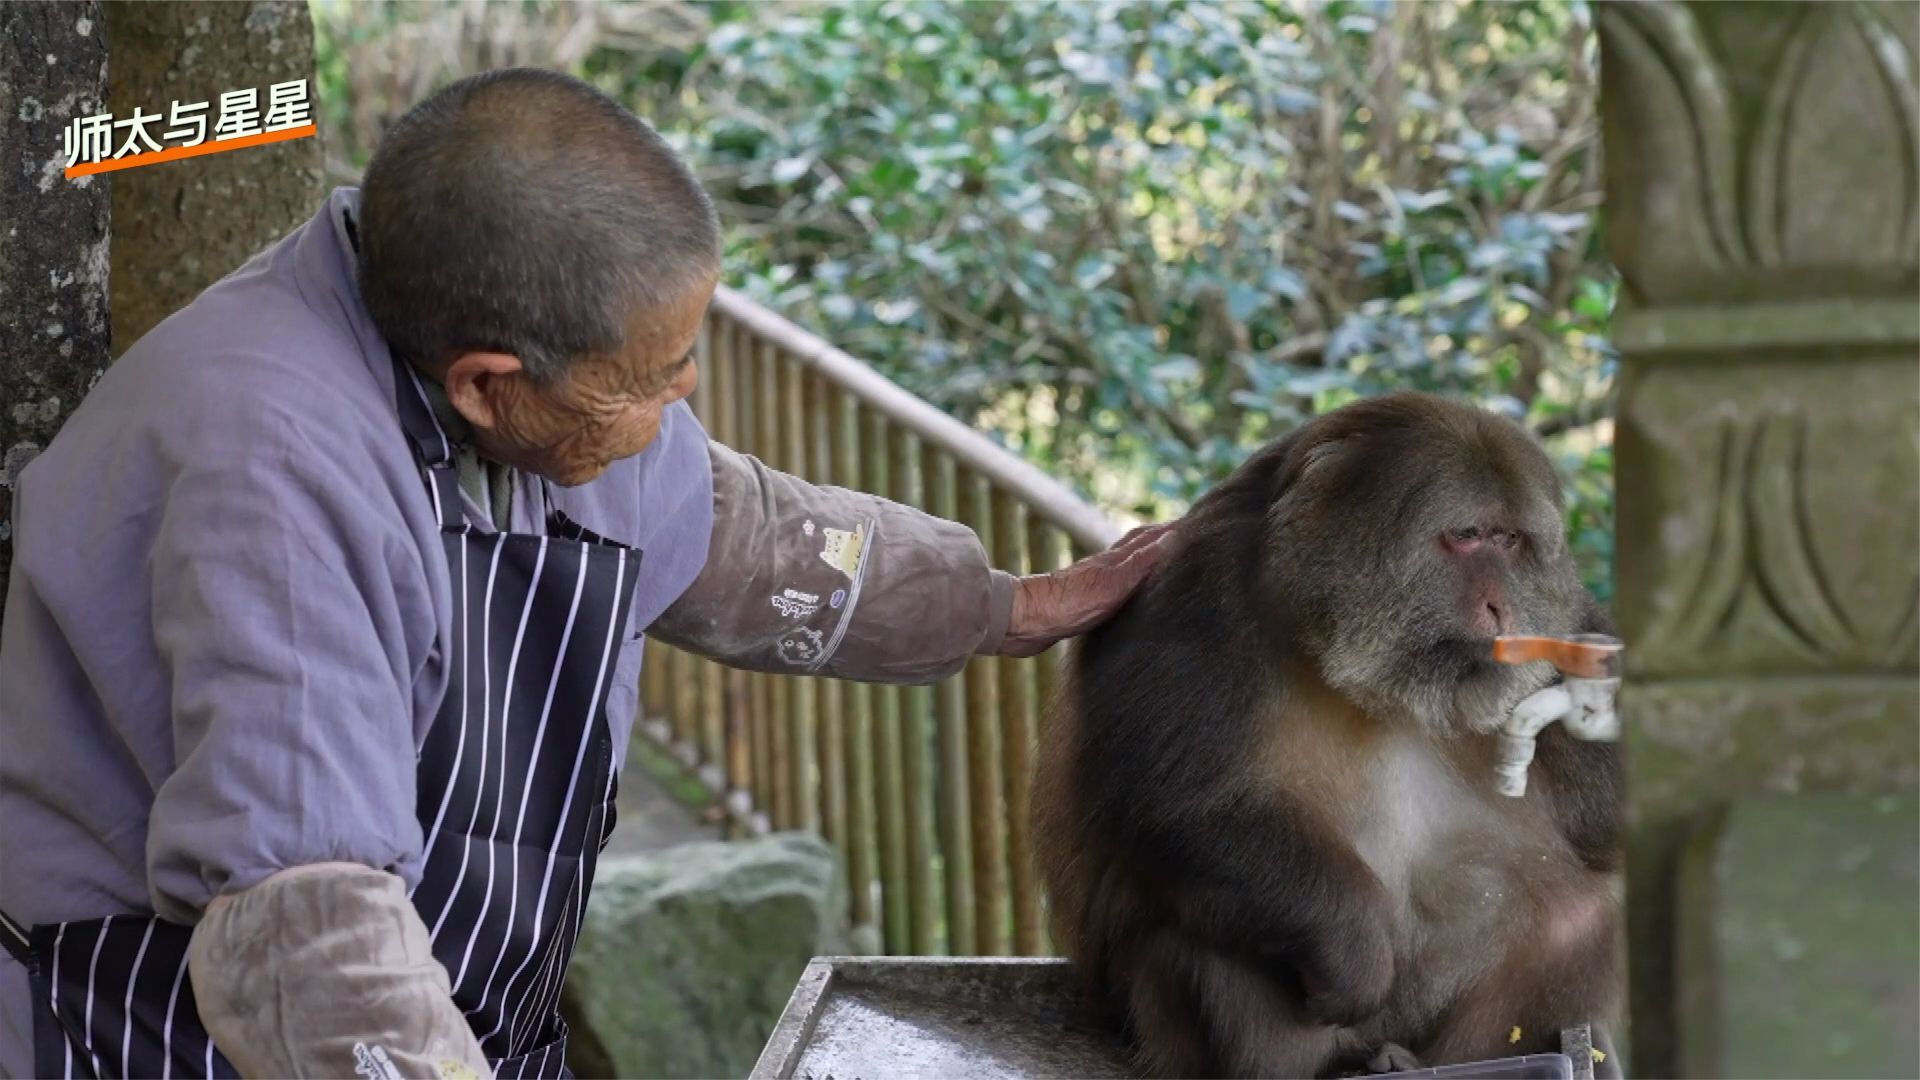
(1320, 453)
(1311, 452)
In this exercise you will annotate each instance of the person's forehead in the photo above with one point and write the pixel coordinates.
(659, 337)
(667, 322)
(655, 318)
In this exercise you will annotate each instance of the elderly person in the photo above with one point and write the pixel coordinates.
(326, 616)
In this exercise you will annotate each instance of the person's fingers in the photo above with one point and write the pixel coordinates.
(1077, 598)
(1111, 584)
(1125, 575)
(1137, 563)
(1134, 541)
(1136, 538)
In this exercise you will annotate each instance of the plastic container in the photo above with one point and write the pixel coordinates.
(1530, 1067)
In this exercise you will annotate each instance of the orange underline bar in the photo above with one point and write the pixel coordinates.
(156, 157)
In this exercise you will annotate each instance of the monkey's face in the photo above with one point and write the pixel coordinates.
(1408, 533)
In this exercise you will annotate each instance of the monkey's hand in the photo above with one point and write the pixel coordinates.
(1050, 607)
(1346, 974)
(1392, 1058)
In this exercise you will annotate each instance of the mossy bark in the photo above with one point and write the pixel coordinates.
(181, 226)
(53, 233)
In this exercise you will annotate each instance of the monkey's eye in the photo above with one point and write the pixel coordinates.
(1507, 540)
(1463, 536)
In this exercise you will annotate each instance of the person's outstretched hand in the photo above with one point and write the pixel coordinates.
(1077, 598)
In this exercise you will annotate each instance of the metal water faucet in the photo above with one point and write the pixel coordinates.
(1583, 701)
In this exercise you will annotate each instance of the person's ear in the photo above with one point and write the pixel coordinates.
(472, 385)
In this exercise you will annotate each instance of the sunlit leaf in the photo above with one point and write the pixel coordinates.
(895, 312)
(1293, 100)
(838, 306)
(1091, 271)
(1415, 202)
(1243, 300)
(1181, 367)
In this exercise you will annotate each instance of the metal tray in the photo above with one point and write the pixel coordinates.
(859, 1017)
(854, 1017)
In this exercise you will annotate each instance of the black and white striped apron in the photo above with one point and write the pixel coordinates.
(516, 799)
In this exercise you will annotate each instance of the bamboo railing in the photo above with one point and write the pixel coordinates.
(922, 790)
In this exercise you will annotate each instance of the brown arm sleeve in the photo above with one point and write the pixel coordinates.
(325, 970)
(802, 579)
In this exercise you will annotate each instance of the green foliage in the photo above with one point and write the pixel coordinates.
(1134, 241)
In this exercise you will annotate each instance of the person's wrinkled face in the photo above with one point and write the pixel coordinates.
(601, 410)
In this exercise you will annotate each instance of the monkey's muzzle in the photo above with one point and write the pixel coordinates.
(1583, 701)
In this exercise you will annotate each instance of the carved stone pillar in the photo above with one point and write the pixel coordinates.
(1762, 181)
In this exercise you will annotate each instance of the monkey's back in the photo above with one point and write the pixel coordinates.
(1156, 706)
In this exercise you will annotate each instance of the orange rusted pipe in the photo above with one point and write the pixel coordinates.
(1582, 656)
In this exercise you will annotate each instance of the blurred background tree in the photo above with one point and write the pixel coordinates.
(1130, 241)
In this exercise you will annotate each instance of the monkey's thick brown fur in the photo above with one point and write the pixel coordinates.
(1264, 806)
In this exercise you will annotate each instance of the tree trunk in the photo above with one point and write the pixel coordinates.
(53, 233)
(181, 226)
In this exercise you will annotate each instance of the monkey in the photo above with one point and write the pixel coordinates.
(1264, 809)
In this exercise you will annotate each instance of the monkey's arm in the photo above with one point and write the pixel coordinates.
(1584, 781)
(1584, 778)
(1267, 876)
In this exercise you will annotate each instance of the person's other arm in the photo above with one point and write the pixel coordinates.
(297, 973)
(289, 618)
(809, 579)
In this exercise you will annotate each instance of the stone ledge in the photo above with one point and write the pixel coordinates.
(1738, 330)
(1694, 741)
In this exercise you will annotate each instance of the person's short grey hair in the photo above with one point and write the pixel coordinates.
(523, 211)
